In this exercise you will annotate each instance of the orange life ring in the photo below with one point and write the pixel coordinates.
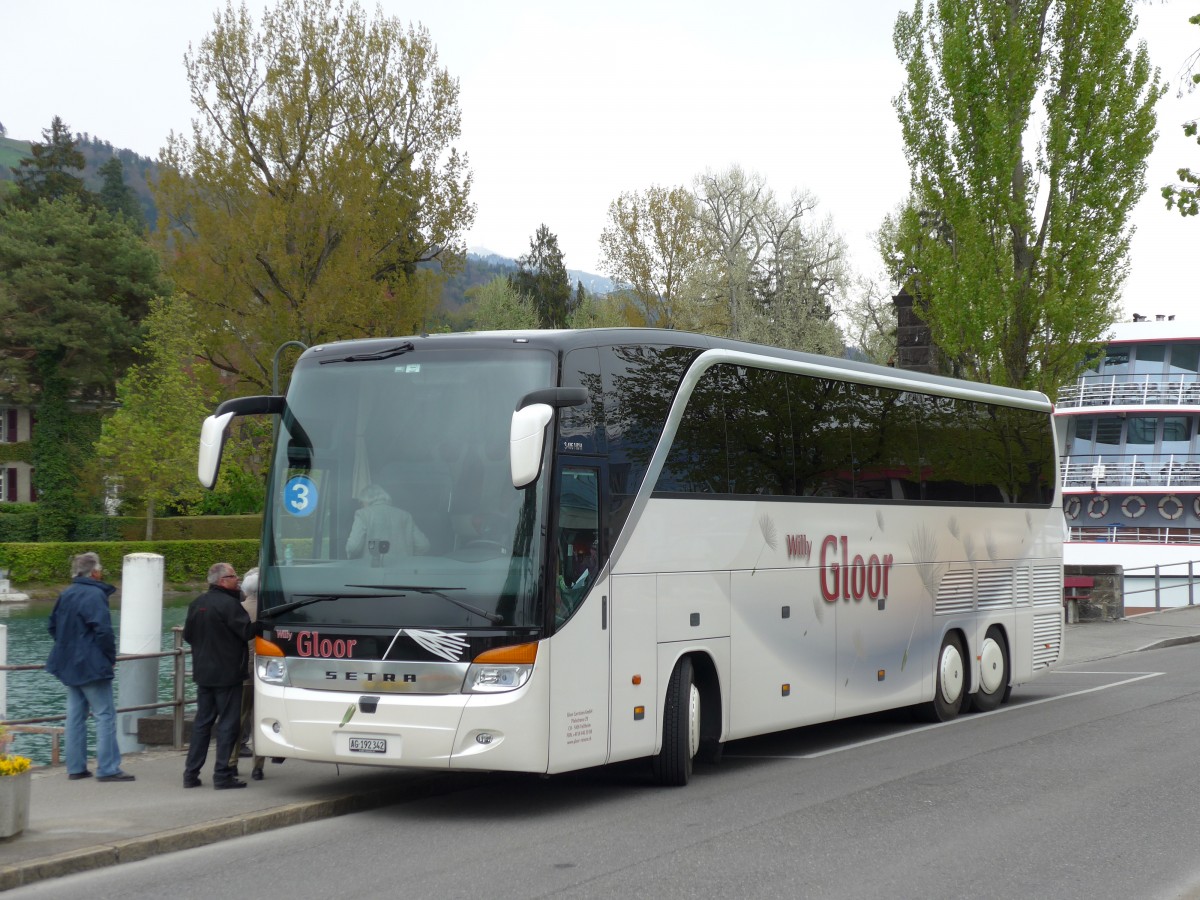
(1127, 504)
(1072, 507)
(1098, 507)
(1170, 498)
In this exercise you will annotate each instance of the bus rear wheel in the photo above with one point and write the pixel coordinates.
(949, 682)
(993, 672)
(681, 728)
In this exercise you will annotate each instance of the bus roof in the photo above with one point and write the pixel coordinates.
(564, 340)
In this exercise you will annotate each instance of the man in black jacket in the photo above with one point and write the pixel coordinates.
(218, 629)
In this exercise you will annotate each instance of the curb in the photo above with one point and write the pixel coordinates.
(212, 832)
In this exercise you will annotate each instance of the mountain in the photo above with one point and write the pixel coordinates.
(482, 265)
(96, 152)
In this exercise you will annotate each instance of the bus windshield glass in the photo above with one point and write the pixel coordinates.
(391, 500)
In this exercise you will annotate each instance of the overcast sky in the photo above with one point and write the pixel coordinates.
(565, 105)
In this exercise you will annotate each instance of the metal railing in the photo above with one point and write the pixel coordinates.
(1131, 390)
(1159, 576)
(177, 705)
(1127, 534)
(1097, 471)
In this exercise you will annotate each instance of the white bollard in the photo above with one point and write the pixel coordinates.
(3, 674)
(141, 632)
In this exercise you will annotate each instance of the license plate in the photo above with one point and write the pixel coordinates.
(368, 745)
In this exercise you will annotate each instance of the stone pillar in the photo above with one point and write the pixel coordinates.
(1108, 592)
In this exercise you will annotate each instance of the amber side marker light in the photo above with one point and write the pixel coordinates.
(517, 654)
(264, 647)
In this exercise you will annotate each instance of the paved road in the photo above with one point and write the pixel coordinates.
(80, 826)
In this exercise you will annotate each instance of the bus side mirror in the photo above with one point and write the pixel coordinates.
(212, 442)
(212, 432)
(527, 438)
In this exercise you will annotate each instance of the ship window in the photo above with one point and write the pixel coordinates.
(1150, 359)
(1108, 430)
(1116, 361)
(1185, 359)
(1177, 434)
(1141, 430)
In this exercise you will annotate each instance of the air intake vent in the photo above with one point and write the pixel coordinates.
(1047, 638)
(955, 593)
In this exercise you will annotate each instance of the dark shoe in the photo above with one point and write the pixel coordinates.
(75, 776)
(277, 760)
(244, 752)
(257, 775)
(120, 776)
(228, 784)
(191, 781)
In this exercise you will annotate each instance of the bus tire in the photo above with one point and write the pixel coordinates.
(949, 682)
(993, 671)
(681, 728)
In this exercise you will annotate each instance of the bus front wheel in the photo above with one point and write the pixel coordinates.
(949, 682)
(681, 728)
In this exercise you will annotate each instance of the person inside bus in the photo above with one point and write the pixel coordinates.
(577, 570)
(382, 531)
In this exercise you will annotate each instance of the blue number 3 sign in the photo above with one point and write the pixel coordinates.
(300, 495)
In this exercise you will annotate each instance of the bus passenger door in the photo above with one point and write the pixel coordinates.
(579, 647)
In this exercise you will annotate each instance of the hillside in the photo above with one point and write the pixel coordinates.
(96, 152)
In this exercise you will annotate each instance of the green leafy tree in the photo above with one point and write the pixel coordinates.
(46, 174)
(1016, 235)
(1185, 196)
(654, 243)
(320, 174)
(498, 305)
(609, 311)
(149, 443)
(116, 196)
(542, 276)
(75, 284)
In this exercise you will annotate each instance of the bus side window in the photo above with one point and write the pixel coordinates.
(577, 547)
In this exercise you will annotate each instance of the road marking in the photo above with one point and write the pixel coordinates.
(973, 717)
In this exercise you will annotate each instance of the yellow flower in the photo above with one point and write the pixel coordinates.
(13, 765)
(10, 764)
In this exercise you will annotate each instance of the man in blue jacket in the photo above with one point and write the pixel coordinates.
(82, 658)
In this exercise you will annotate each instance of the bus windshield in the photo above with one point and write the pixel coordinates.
(391, 500)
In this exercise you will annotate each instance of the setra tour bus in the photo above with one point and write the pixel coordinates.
(540, 551)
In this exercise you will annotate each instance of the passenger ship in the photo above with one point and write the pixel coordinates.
(1131, 460)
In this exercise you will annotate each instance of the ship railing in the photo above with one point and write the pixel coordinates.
(1136, 470)
(178, 703)
(1131, 390)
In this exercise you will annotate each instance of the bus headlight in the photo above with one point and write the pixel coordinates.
(502, 669)
(272, 670)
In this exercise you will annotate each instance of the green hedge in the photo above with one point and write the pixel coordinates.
(183, 561)
(18, 522)
(174, 528)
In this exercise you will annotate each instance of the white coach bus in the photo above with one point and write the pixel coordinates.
(547, 550)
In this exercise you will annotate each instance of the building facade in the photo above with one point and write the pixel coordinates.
(16, 474)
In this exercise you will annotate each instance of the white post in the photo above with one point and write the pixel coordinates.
(3, 674)
(141, 632)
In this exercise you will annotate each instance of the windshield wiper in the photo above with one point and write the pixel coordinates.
(437, 592)
(378, 354)
(313, 598)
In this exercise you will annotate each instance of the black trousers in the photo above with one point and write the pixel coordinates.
(222, 705)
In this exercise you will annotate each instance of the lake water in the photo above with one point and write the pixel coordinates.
(35, 694)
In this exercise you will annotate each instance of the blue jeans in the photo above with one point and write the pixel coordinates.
(98, 696)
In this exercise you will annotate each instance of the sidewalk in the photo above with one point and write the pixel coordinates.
(77, 826)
